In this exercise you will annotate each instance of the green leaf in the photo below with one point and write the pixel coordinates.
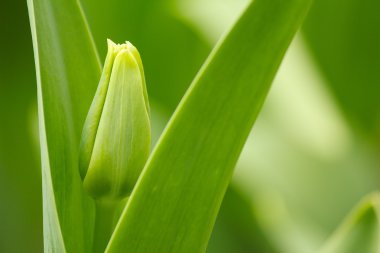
(175, 202)
(68, 71)
(360, 231)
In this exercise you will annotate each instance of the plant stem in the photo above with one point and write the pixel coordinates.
(104, 224)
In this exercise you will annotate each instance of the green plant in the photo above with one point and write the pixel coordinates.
(175, 203)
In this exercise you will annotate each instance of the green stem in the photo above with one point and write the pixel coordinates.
(104, 224)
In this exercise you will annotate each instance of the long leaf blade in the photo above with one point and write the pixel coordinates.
(360, 231)
(67, 69)
(175, 203)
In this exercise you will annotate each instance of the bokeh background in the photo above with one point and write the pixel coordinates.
(311, 156)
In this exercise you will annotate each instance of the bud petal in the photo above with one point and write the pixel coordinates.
(116, 137)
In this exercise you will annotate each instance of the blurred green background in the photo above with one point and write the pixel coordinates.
(312, 155)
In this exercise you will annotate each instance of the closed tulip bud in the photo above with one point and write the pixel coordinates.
(116, 137)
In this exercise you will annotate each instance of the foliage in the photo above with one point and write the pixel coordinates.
(174, 38)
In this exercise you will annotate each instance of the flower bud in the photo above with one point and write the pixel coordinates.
(116, 137)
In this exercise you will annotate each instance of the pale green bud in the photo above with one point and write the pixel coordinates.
(116, 136)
